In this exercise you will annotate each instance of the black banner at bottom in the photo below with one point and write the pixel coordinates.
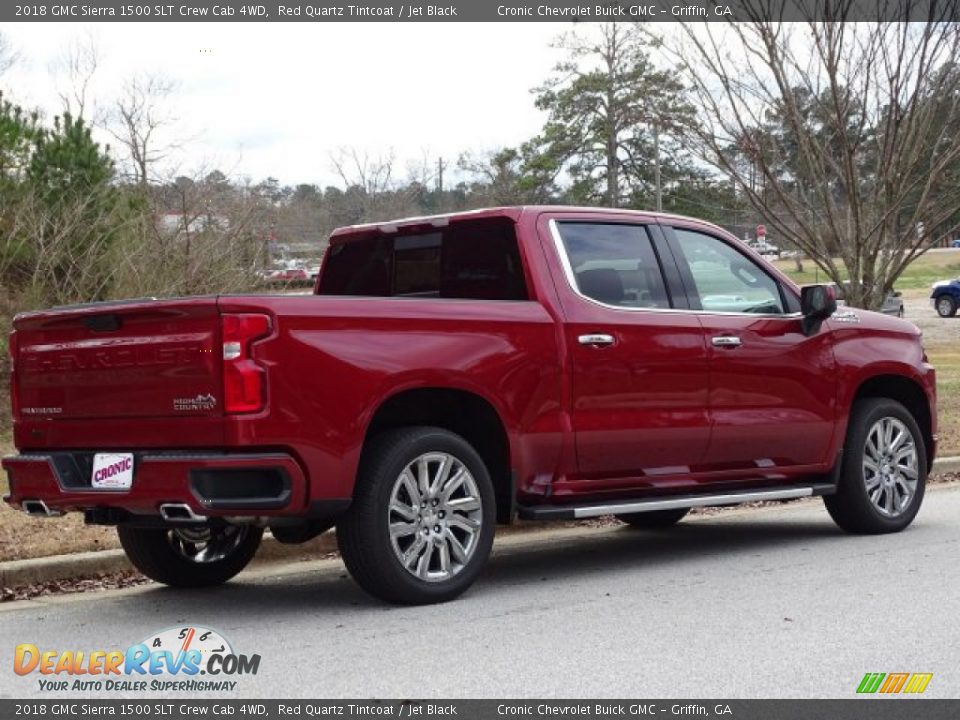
(873, 708)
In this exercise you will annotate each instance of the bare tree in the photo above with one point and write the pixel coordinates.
(43, 257)
(202, 234)
(9, 55)
(139, 117)
(73, 71)
(374, 175)
(371, 190)
(845, 137)
(507, 176)
(426, 169)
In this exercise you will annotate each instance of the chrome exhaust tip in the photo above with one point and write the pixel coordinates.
(180, 513)
(38, 508)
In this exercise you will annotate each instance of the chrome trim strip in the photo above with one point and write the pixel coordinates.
(572, 282)
(691, 501)
(178, 457)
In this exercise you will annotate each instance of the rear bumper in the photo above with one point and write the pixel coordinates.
(210, 484)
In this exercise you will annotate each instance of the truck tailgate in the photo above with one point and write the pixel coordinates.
(121, 360)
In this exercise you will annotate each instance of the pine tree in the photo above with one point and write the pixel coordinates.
(609, 111)
(69, 180)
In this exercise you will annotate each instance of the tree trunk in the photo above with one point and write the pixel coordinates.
(656, 166)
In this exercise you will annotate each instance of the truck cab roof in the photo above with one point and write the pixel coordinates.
(514, 212)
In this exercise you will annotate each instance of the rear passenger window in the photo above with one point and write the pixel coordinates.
(614, 264)
(477, 259)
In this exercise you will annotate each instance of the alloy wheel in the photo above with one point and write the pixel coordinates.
(435, 516)
(890, 466)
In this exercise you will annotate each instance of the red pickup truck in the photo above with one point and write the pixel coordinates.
(454, 372)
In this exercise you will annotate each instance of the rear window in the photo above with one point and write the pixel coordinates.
(476, 260)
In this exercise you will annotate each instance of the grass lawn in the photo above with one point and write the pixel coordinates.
(946, 359)
(920, 275)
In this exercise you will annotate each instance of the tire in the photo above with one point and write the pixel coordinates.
(175, 557)
(852, 507)
(375, 556)
(946, 306)
(656, 520)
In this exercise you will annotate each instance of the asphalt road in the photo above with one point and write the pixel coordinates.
(773, 602)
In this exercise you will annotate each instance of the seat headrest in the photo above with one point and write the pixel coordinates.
(603, 284)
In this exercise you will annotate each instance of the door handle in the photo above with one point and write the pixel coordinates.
(726, 341)
(596, 340)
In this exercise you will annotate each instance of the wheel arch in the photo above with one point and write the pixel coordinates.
(464, 412)
(910, 394)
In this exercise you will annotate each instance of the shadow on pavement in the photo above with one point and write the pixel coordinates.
(555, 560)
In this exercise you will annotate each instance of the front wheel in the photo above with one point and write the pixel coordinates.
(946, 306)
(884, 469)
(422, 520)
(190, 556)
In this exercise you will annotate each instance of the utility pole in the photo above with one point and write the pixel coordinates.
(656, 168)
(440, 168)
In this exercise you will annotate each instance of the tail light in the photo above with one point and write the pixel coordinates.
(244, 381)
(14, 399)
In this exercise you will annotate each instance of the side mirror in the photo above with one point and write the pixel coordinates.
(817, 303)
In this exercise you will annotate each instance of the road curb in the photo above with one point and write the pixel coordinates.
(34, 571)
(73, 566)
(947, 464)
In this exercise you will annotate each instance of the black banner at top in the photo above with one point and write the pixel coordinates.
(477, 11)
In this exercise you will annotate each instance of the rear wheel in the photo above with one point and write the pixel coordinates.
(422, 520)
(884, 470)
(190, 557)
(654, 520)
(946, 306)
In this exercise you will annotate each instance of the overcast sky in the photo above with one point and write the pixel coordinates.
(276, 99)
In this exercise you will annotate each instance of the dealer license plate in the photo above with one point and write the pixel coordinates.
(112, 471)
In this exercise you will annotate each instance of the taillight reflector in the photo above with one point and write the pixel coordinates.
(244, 380)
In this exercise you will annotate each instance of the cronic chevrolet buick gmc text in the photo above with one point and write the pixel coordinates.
(454, 372)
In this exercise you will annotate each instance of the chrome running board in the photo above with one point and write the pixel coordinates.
(577, 512)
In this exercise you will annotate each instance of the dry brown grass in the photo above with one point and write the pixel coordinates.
(22, 536)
